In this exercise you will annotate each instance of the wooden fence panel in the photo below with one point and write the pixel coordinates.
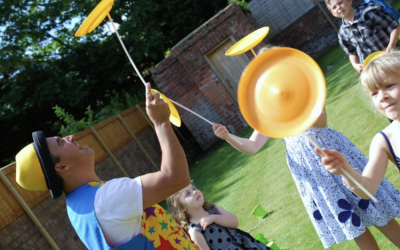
(113, 133)
(9, 207)
(9, 204)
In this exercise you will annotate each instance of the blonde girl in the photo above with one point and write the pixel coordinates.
(381, 80)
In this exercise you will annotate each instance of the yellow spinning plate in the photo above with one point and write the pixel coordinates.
(282, 92)
(174, 117)
(95, 17)
(248, 42)
(373, 56)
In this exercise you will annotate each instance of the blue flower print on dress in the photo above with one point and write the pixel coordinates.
(363, 204)
(317, 214)
(345, 215)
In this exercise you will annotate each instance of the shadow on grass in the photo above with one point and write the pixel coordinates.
(341, 76)
(224, 168)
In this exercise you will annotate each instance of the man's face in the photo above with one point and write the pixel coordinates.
(340, 8)
(69, 152)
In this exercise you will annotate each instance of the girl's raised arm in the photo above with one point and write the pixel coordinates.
(199, 239)
(373, 173)
(375, 170)
(249, 146)
(225, 219)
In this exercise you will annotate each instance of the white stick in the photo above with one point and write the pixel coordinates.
(344, 171)
(141, 78)
(126, 52)
(254, 53)
(233, 138)
(191, 112)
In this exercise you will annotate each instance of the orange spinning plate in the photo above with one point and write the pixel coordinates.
(174, 117)
(373, 56)
(95, 17)
(248, 42)
(282, 92)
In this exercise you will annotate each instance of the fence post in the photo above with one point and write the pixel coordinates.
(137, 141)
(145, 116)
(28, 211)
(151, 124)
(108, 151)
(326, 15)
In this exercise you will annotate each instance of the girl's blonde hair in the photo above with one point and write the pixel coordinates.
(378, 71)
(175, 209)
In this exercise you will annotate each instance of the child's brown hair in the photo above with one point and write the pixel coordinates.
(175, 208)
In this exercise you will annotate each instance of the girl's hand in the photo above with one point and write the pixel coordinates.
(334, 161)
(205, 221)
(220, 131)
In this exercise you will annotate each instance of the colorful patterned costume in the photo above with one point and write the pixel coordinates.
(163, 231)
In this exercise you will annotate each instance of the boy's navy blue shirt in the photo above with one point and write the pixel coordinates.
(370, 31)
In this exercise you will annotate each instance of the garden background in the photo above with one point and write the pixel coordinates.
(235, 181)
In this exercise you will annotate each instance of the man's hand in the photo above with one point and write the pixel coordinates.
(156, 108)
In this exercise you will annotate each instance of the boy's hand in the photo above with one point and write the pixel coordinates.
(156, 108)
(334, 161)
(220, 131)
(359, 67)
(389, 49)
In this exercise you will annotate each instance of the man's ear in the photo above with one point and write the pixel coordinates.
(60, 169)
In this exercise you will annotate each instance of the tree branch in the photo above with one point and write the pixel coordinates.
(58, 40)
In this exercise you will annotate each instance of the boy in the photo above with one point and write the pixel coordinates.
(364, 30)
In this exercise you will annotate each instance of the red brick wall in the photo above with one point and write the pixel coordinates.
(23, 234)
(186, 77)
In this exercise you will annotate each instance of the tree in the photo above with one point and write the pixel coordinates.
(43, 65)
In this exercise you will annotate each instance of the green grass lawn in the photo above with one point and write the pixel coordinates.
(238, 182)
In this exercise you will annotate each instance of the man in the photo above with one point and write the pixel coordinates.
(108, 214)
